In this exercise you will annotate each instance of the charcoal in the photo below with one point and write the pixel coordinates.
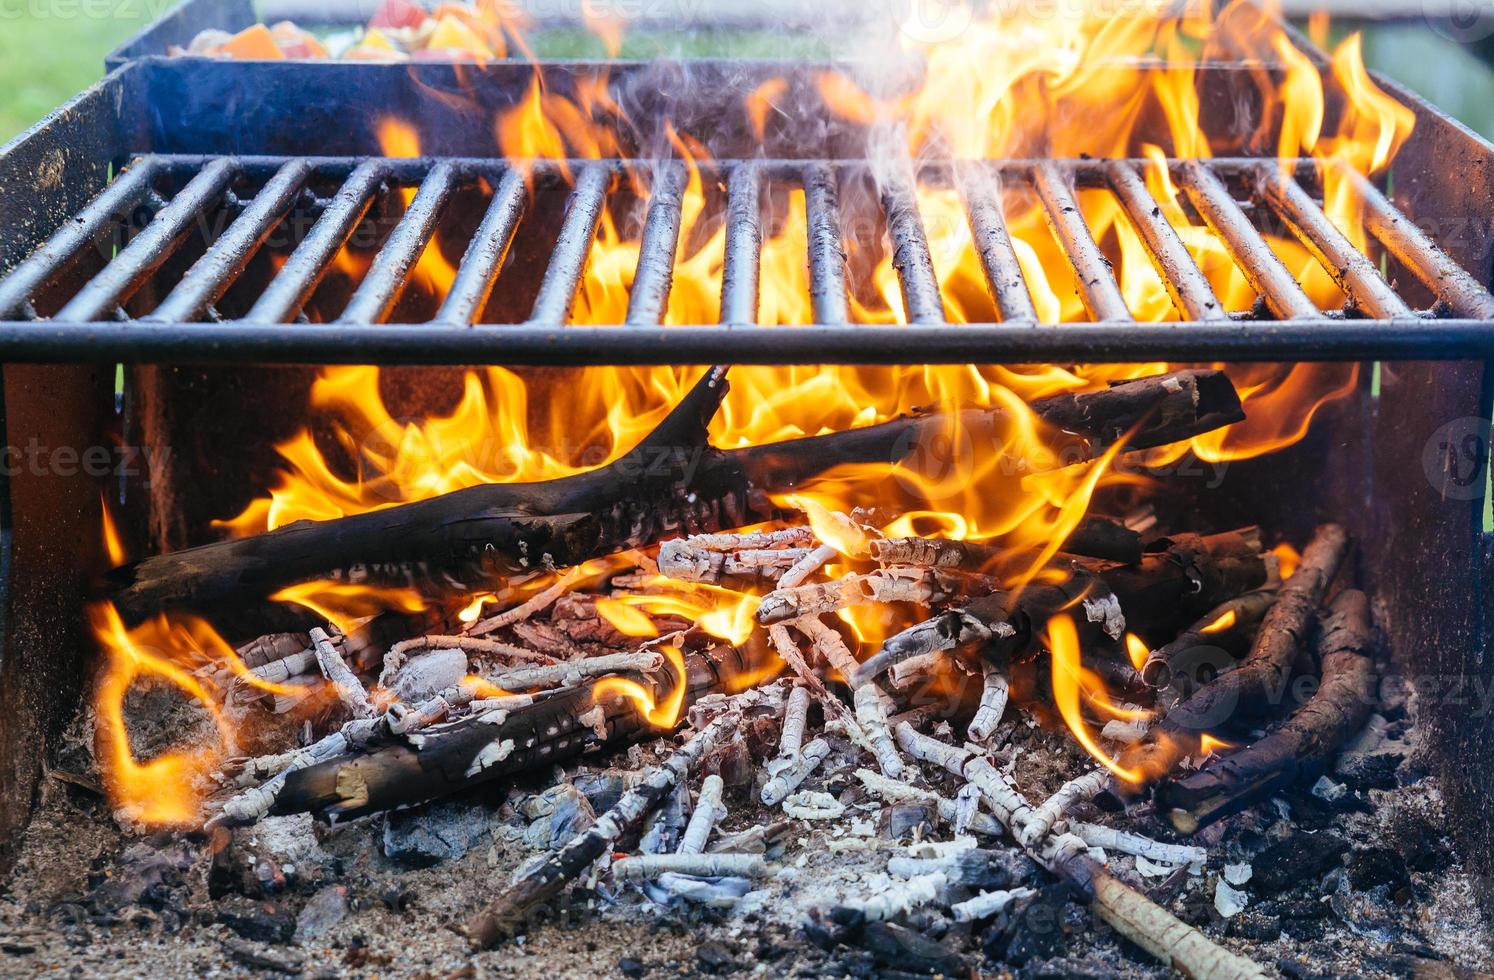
(602, 789)
(262, 922)
(1377, 866)
(1255, 926)
(714, 957)
(143, 874)
(1367, 772)
(630, 967)
(901, 948)
(428, 835)
(326, 909)
(1297, 860)
(907, 820)
(1037, 930)
(557, 815)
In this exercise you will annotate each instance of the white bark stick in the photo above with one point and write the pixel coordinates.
(575, 671)
(349, 688)
(993, 696)
(524, 610)
(707, 865)
(871, 715)
(887, 585)
(795, 715)
(777, 789)
(988, 904)
(708, 810)
(1056, 806)
(1097, 835)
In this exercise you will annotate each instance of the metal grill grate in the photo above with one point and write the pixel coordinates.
(1379, 320)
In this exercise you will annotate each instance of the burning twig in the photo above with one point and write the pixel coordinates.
(695, 864)
(537, 886)
(1264, 670)
(575, 671)
(1305, 743)
(525, 610)
(673, 478)
(1228, 626)
(1076, 790)
(885, 586)
(683, 559)
(466, 644)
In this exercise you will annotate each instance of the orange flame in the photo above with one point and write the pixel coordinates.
(661, 714)
(1070, 680)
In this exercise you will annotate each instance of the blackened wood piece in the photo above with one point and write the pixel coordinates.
(1301, 747)
(444, 759)
(1257, 685)
(672, 481)
(1248, 610)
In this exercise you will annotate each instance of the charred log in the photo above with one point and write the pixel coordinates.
(1228, 626)
(672, 481)
(1259, 682)
(442, 759)
(1303, 745)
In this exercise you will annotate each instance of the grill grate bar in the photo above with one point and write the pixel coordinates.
(649, 297)
(982, 199)
(557, 291)
(742, 267)
(828, 298)
(1450, 282)
(1187, 285)
(298, 278)
(154, 245)
(910, 252)
(388, 274)
(1260, 266)
(1353, 272)
(1097, 286)
(485, 253)
(211, 275)
(111, 206)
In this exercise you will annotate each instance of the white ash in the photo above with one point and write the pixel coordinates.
(1130, 730)
(425, 675)
(662, 830)
(1238, 873)
(893, 791)
(795, 714)
(349, 688)
(988, 904)
(285, 668)
(723, 893)
(680, 558)
(1077, 790)
(575, 671)
(898, 897)
(812, 805)
(885, 586)
(1106, 611)
(1229, 901)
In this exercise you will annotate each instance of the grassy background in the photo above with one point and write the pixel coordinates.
(49, 51)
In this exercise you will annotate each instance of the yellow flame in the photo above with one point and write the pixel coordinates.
(1137, 650)
(344, 604)
(1287, 558)
(663, 714)
(1070, 678)
(1222, 623)
(626, 619)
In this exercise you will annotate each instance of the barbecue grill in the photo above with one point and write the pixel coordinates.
(181, 217)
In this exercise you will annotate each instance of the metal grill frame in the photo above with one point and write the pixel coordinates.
(1379, 324)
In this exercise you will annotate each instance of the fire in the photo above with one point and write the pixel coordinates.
(1071, 683)
(660, 714)
(1224, 622)
(1287, 558)
(1007, 87)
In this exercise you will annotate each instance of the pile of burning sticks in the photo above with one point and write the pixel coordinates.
(430, 705)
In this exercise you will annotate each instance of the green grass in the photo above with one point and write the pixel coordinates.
(52, 49)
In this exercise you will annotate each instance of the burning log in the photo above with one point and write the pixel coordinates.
(1261, 678)
(672, 479)
(1186, 574)
(1094, 537)
(532, 889)
(1126, 910)
(442, 760)
(1227, 626)
(1304, 744)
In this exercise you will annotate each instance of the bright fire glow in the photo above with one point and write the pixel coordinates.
(1058, 84)
(660, 714)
